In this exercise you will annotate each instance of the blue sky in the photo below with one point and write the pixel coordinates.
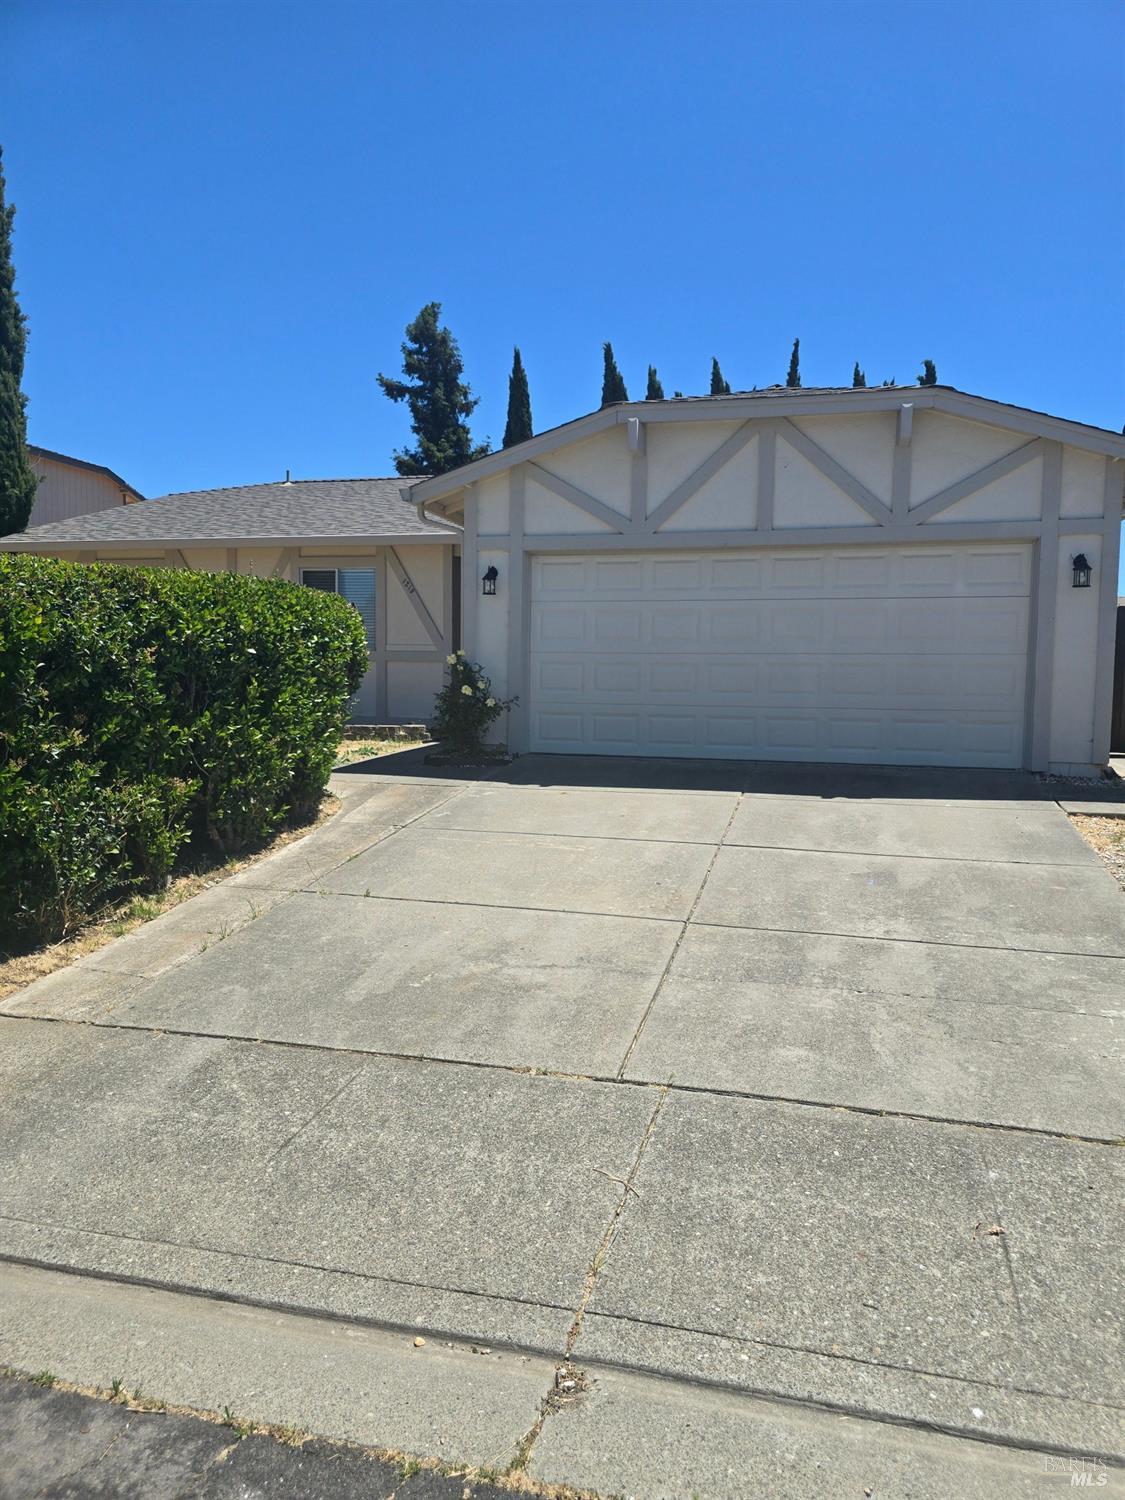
(228, 212)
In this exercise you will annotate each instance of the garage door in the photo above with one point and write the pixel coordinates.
(897, 655)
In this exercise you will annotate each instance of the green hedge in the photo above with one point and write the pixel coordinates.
(141, 708)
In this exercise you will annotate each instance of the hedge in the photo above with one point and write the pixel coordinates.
(144, 708)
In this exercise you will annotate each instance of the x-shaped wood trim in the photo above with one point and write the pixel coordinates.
(415, 597)
(973, 482)
(567, 491)
(834, 472)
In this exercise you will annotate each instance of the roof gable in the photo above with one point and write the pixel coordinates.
(775, 401)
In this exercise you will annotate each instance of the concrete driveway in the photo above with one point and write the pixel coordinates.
(796, 1088)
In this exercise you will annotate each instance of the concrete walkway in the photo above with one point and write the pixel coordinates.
(779, 1101)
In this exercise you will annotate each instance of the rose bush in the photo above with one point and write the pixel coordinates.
(466, 707)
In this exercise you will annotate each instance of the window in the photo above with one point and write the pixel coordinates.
(356, 585)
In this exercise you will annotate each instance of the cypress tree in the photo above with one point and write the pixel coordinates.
(793, 379)
(654, 391)
(440, 401)
(858, 377)
(613, 385)
(719, 386)
(929, 373)
(518, 427)
(17, 480)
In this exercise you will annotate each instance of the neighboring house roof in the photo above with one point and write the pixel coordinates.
(81, 463)
(299, 510)
(788, 401)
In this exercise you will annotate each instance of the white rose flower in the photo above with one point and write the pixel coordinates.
(451, 661)
(459, 652)
(467, 691)
(491, 703)
(480, 683)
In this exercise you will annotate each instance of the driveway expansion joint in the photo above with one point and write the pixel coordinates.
(669, 1085)
(863, 1413)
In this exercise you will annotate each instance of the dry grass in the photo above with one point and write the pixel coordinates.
(353, 750)
(1107, 837)
(23, 968)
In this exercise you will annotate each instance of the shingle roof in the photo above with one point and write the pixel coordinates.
(329, 509)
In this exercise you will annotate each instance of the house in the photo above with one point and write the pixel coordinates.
(355, 536)
(898, 576)
(72, 487)
(909, 576)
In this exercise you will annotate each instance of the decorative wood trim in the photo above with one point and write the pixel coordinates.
(447, 600)
(1107, 610)
(567, 491)
(836, 473)
(699, 476)
(284, 564)
(638, 473)
(974, 482)
(404, 654)
(232, 560)
(1046, 607)
(769, 408)
(517, 609)
(902, 462)
(470, 570)
(789, 537)
(767, 471)
(379, 655)
(406, 583)
(176, 558)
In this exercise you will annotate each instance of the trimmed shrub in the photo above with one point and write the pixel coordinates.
(141, 708)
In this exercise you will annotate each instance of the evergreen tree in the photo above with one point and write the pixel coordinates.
(929, 373)
(793, 379)
(17, 481)
(858, 377)
(518, 427)
(719, 386)
(440, 401)
(613, 385)
(654, 391)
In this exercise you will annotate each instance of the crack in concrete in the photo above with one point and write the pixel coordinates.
(679, 941)
(548, 1405)
(1005, 1249)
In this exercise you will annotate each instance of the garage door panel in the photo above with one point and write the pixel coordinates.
(827, 682)
(912, 655)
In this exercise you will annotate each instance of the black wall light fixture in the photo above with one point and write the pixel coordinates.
(488, 582)
(1082, 571)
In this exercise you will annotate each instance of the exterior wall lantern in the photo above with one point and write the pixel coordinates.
(1082, 571)
(488, 582)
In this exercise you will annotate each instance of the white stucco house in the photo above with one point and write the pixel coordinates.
(355, 536)
(897, 576)
(908, 576)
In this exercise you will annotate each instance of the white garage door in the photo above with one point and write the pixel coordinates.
(910, 655)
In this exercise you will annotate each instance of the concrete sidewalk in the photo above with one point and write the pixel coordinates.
(789, 1119)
